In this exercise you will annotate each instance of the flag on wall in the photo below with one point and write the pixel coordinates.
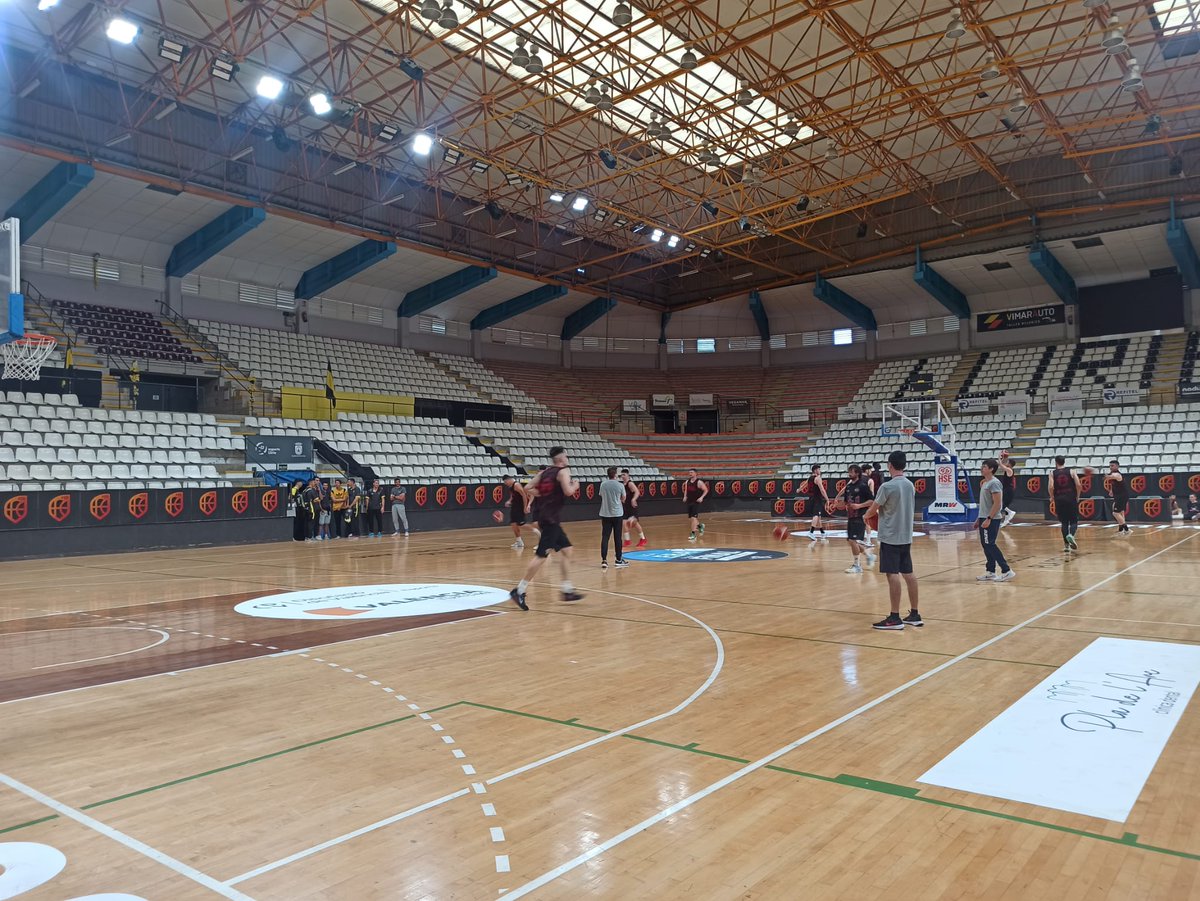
(329, 385)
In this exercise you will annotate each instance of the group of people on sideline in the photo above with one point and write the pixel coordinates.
(341, 509)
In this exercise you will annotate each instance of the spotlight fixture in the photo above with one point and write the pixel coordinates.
(654, 130)
(119, 139)
(1133, 78)
(557, 196)
(607, 158)
(169, 49)
(480, 166)
(638, 227)
(990, 69)
(709, 207)
(451, 155)
(831, 151)
(242, 154)
(223, 68)
(744, 224)
(744, 97)
(802, 204)
(792, 129)
(269, 87)
(121, 30)
(605, 103)
(1013, 194)
(411, 69)
(387, 131)
(396, 198)
(422, 144)
(520, 56)
(955, 29)
(862, 230)
(656, 235)
(430, 10)
(742, 275)
(320, 104)
(448, 18)
(580, 270)
(1113, 41)
(600, 215)
(166, 111)
(708, 156)
(579, 204)
(934, 208)
(688, 61)
(591, 93)
(346, 168)
(44, 5)
(673, 241)
(1175, 167)
(1019, 105)
(689, 246)
(622, 15)
(956, 222)
(880, 233)
(1153, 124)
(516, 179)
(705, 252)
(620, 222)
(534, 66)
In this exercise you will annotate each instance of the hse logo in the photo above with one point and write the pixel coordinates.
(139, 504)
(372, 602)
(460, 495)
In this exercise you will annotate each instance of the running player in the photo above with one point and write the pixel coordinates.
(874, 473)
(695, 490)
(1118, 488)
(629, 506)
(552, 486)
(818, 497)
(518, 502)
(1064, 491)
(857, 496)
(1008, 484)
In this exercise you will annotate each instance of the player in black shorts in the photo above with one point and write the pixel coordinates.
(1064, 491)
(1119, 489)
(857, 496)
(695, 490)
(519, 499)
(552, 487)
(629, 508)
(1008, 481)
(818, 497)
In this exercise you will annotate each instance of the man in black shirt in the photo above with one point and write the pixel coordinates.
(354, 503)
(1192, 513)
(1118, 488)
(857, 496)
(374, 501)
(1064, 492)
(551, 489)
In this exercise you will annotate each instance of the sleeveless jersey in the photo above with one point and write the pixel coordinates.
(1064, 484)
(876, 480)
(814, 488)
(691, 491)
(1120, 490)
(857, 493)
(627, 501)
(550, 495)
(515, 500)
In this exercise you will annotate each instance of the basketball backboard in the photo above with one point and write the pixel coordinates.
(12, 304)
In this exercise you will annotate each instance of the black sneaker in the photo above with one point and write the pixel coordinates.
(604, 564)
(913, 619)
(518, 598)
(893, 623)
(572, 596)
(621, 564)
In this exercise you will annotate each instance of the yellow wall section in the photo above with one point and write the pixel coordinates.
(311, 403)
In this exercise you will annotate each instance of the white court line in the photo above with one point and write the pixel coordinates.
(129, 842)
(481, 787)
(164, 635)
(667, 812)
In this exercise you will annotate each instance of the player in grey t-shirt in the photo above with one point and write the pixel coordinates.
(894, 504)
(991, 506)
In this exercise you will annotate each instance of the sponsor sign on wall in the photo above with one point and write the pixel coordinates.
(1065, 401)
(1189, 391)
(125, 507)
(633, 405)
(1120, 395)
(973, 404)
(1027, 317)
(737, 404)
(796, 415)
(945, 489)
(1087, 737)
(701, 400)
(662, 401)
(279, 451)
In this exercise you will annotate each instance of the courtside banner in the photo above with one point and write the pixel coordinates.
(127, 507)
(1028, 317)
(1086, 739)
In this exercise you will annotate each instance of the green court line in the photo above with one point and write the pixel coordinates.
(52, 816)
(574, 721)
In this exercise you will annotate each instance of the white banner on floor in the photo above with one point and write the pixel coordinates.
(1086, 739)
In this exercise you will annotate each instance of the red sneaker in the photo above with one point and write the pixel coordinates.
(642, 543)
(627, 543)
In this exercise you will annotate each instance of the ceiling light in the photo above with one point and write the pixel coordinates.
(425, 225)
(802, 204)
(620, 222)
(880, 233)
(605, 102)
(534, 66)
(166, 111)
(591, 93)
(742, 275)
(1102, 195)
(574, 240)
(622, 15)
(1113, 40)
(451, 155)
(448, 17)
(121, 30)
(580, 270)
(244, 152)
(430, 10)
(638, 227)
(1153, 124)
(936, 210)
(514, 178)
(673, 241)
(480, 166)
(119, 139)
(792, 128)
(526, 254)
(387, 131)
(688, 61)
(656, 235)
(744, 97)
(557, 196)
(955, 29)
(422, 144)
(505, 234)
(862, 230)
(990, 69)
(1019, 105)
(831, 151)
(689, 246)
(579, 204)
(1133, 78)
(600, 215)
(320, 104)
(520, 56)
(687, 272)
(473, 210)
(44, 5)
(167, 48)
(269, 87)
(345, 168)
(394, 199)
(223, 69)
(29, 88)
(956, 222)
(1013, 194)
(1175, 167)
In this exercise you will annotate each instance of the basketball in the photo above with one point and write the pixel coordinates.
(498, 516)
(782, 533)
(837, 504)
(1089, 470)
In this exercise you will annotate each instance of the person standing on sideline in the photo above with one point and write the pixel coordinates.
(552, 487)
(893, 505)
(857, 496)
(629, 506)
(339, 499)
(874, 473)
(324, 513)
(301, 511)
(818, 497)
(991, 503)
(1008, 481)
(518, 503)
(374, 503)
(612, 498)
(396, 498)
(695, 490)
(1064, 491)
(353, 507)
(312, 503)
(1192, 513)
(1118, 488)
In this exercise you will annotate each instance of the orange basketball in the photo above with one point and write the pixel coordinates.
(498, 516)
(782, 533)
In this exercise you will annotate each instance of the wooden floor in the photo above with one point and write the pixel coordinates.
(699, 731)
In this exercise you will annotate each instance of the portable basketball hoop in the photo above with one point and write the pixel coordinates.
(23, 358)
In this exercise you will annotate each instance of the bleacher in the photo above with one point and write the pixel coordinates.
(491, 385)
(53, 444)
(1152, 439)
(132, 334)
(397, 447)
(590, 454)
(907, 379)
(978, 437)
(733, 454)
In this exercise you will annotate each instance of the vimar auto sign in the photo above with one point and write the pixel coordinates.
(372, 602)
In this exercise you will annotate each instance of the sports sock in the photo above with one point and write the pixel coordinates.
(522, 587)
(625, 536)
(567, 586)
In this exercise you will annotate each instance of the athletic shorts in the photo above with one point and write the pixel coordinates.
(1008, 498)
(1121, 506)
(1067, 508)
(553, 539)
(324, 517)
(895, 558)
(815, 507)
(516, 515)
(628, 513)
(856, 529)
(693, 510)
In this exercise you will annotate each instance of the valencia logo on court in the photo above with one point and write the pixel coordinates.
(372, 602)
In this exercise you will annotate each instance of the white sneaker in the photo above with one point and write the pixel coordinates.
(691, 538)
(986, 577)
(518, 545)
(1007, 577)
(1009, 517)
(871, 558)
(855, 570)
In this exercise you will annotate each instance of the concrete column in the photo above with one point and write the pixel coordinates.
(565, 359)
(174, 295)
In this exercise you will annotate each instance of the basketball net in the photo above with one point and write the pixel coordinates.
(24, 357)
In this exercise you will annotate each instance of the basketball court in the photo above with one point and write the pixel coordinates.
(728, 730)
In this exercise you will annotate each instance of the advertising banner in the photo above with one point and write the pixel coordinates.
(1121, 395)
(737, 404)
(634, 405)
(1013, 405)
(797, 415)
(662, 401)
(1027, 317)
(1065, 401)
(126, 507)
(1189, 391)
(973, 404)
(700, 400)
(279, 452)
